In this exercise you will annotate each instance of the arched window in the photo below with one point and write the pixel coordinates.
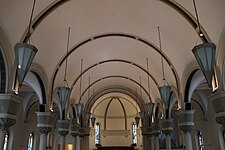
(134, 133)
(97, 133)
(30, 141)
(5, 147)
(200, 141)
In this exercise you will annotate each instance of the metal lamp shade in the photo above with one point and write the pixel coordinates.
(64, 93)
(24, 54)
(137, 119)
(79, 110)
(87, 116)
(93, 119)
(149, 107)
(205, 56)
(142, 115)
(165, 94)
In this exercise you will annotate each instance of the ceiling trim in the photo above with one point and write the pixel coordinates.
(116, 76)
(126, 35)
(189, 17)
(40, 17)
(121, 97)
(113, 89)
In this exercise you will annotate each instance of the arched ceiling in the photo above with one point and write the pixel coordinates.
(92, 18)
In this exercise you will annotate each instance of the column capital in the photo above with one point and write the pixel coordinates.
(45, 121)
(74, 128)
(9, 104)
(45, 130)
(84, 131)
(186, 120)
(5, 123)
(146, 131)
(63, 127)
(156, 129)
(218, 101)
(167, 126)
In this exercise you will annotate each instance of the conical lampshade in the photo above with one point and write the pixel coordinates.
(64, 93)
(142, 115)
(149, 107)
(79, 110)
(24, 55)
(205, 56)
(93, 119)
(137, 119)
(165, 94)
(87, 116)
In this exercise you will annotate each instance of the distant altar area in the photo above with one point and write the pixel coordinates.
(116, 148)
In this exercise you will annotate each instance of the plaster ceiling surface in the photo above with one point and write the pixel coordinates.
(91, 18)
(114, 106)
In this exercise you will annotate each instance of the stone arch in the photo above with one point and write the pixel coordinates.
(2, 73)
(8, 59)
(220, 60)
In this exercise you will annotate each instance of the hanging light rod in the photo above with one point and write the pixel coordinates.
(31, 17)
(148, 78)
(67, 50)
(160, 47)
(196, 13)
(81, 67)
(140, 87)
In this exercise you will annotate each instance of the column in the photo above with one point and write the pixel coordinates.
(9, 104)
(2, 138)
(75, 134)
(84, 133)
(218, 102)
(63, 130)
(155, 133)
(167, 128)
(45, 121)
(186, 124)
(43, 137)
(144, 137)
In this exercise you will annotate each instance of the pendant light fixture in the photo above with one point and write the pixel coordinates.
(24, 54)
(164, 90)
(205, 55)
(79, 105)
(149, 105)
(64, 91)
(137, 118)
(93, 118)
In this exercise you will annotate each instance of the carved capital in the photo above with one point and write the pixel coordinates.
(167, 126)
(5, 123)
(63, 132)
(186, 120)
(155, 129)
(217, 100)
(45, 130)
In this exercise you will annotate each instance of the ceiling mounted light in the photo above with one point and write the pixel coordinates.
(205, 55)
(150, 107)
(79, 110)
(93, 119)
(164, 90)
(63, 93)
(137, 120)
(24, 54)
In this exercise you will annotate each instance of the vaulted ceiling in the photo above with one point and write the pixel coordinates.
(115, 39)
